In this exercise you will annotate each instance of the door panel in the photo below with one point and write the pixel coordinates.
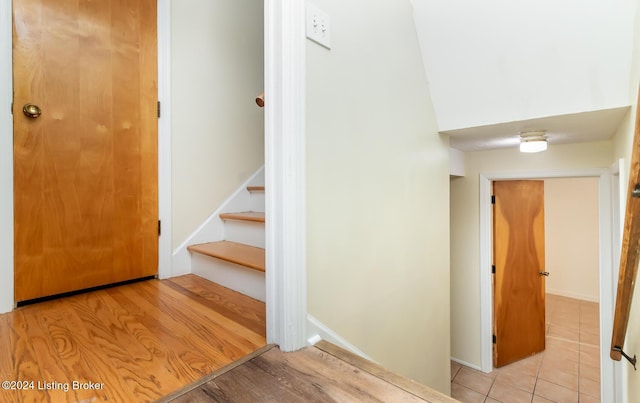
(519, 288)
(85, 171)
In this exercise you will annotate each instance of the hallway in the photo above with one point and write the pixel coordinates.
(567, 371)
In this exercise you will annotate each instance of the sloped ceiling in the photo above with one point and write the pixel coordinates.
(498, 67)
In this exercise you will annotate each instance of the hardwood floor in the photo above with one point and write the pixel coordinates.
(132, 343)
(323, 373)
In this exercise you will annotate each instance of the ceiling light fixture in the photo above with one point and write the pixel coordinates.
(533, 141)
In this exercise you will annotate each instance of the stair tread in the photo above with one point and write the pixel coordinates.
(255, 188)
(244, 255)
(254, 216)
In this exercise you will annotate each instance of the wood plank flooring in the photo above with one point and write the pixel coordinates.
(132, 343)
(324, 373)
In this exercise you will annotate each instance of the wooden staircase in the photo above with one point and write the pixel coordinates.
(238, 261)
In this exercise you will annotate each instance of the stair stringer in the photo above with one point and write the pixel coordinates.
(212, 229)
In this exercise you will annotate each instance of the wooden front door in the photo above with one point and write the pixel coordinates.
(85, 191)
(519, 283)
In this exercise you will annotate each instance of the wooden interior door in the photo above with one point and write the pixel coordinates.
(519, 280)
(85, 192)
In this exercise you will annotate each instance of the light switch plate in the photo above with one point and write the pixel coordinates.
(318, 26)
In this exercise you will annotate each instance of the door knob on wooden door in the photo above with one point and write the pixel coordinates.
(544, 273)
(31, 110)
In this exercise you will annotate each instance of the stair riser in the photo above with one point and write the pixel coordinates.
(257, 201)
(248, 233)
(246, 281)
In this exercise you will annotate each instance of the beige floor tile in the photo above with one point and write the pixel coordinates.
(466, 395)
(555, 392)
(560, 346)
(561, 365)
(473, 380)
(589, 387)
(567, 321)
(589, 399)
(590, 355)
(506, 393)
(568, 360)
(589, 371)
(591, 325)
(528, 366)
(590, 339)
(490, 400)
(516, 378)
(561, 377)
(589, 310)
(538, 399)
(563, 333)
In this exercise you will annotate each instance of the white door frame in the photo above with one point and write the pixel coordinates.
(605, 237)
(285, 173)
(6, 159)
(285, 161)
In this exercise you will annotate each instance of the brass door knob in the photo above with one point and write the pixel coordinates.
(31, 110)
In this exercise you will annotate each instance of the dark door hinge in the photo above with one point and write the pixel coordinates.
(158, 109)
(493, 269)
(493, 199)
(159, 227)
(494, 339)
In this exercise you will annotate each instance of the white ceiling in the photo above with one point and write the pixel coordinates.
(563, 129)
(499, 67)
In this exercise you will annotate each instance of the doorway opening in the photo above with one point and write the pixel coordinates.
(606, 280)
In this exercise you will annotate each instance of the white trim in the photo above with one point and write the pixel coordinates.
(6, 159)
(605, 237)
(619, 187)
(165, 268)
(466, 364)
(285, 162)
(6, 150)
(317, 329)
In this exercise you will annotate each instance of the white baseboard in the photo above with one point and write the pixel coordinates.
(317, 329)
(467, 364)
(583, 297)
(212, 229)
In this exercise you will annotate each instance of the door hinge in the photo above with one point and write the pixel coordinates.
(159, 227)
(493, 199)
(158, 109)
(12, 108)
(493, 269)
(494, 339)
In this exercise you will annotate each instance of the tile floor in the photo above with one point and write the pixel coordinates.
(567, 371)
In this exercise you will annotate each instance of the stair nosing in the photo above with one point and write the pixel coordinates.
(212, 249)
(244, 216)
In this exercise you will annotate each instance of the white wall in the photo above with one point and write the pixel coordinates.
(217, 129)
(378, 189)
(571, 237)
(500, 61)
(465, 242)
